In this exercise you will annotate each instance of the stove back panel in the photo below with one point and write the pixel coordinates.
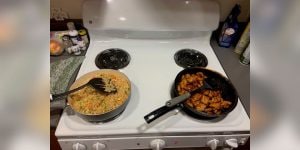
(151, 15)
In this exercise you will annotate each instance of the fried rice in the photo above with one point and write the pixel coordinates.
(89, 101)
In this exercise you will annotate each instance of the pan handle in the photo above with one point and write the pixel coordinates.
(158, 113)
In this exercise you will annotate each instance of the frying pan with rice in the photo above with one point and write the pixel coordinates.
(95, 106)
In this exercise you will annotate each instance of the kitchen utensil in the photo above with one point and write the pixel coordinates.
(175, 101)
(215, 80)
(182, 98)
(96, 117)
(96, 83)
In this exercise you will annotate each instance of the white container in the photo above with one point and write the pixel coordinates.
(244, 41)
(245, 57)
(74, 36)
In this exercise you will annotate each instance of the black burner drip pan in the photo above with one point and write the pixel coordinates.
(188, 58)
(113, 58)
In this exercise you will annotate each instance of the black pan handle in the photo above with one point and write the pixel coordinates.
(158, 113)
(55, 96)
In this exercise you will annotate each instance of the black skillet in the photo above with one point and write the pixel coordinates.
(215, 80)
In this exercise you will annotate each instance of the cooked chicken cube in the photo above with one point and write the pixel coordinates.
(204, 100)
(225, 104)
(215, 105)
(210, 93)
(200, 107)
(208, 109)
(206, 92)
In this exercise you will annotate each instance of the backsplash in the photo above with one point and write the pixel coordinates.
(74, 8)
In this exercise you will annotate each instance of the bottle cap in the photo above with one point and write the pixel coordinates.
(82, 32)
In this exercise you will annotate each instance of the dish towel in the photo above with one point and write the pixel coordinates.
(61, 72)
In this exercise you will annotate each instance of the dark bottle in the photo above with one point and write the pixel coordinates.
(230, 27)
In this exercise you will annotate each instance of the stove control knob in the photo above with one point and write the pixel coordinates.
(157, 144)
(213, 144)
(233, 143)
(78, 146)
(99, 146)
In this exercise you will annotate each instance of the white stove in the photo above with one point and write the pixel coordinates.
(151, 70)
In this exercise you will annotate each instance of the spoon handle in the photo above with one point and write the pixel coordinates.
(54, 96)
(177, 100)
(181, 98)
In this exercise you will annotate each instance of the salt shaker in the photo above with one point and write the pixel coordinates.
(83, 35)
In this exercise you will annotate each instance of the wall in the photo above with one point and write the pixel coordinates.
(227, 5)
(73, 8)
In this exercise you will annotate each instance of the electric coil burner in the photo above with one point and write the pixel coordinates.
(187, 58)
(114, 58)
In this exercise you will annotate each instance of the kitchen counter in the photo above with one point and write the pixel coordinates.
(238, 74)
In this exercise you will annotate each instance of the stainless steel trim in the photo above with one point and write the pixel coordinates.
(246, 133)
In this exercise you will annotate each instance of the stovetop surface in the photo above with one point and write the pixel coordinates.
(152, 70)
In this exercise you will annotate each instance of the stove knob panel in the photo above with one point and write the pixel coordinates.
(233, 143)
(99, 146)
(157, 144)
(78, 146)
(213, 144)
